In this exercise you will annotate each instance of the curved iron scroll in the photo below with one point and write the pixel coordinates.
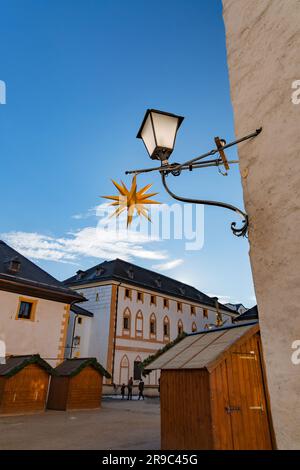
(239, 232)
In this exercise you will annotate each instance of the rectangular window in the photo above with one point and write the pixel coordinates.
(153, 300)
(205, 313)
(76, 341)
(152, 327)
(193, 310)
(140, 296)
(179, 307)
(127, 293)
(166, 303)
(97, 297)
(79, 320)
(26, 309)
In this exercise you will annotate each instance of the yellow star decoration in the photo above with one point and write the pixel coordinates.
(132, 200)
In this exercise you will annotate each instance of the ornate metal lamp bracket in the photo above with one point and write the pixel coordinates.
(175, 169)
(239, 232)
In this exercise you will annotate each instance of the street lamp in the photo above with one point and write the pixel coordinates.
(158, 132)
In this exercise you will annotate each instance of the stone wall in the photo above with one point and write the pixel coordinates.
(263, 50)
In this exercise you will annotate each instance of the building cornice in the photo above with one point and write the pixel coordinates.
(134, 286)
(42, 291)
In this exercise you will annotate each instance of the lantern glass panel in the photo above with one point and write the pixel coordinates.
(165, 128)
(148, 135)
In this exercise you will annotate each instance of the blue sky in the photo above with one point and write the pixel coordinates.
(79, 76)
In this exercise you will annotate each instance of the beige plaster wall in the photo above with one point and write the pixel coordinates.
(263, 49)
(44, 335)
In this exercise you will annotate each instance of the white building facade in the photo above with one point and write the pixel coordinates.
(135, 317)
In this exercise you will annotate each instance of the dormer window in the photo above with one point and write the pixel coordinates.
(79, 275)
(130, 273)
(158, 282)
(99, 271)
(182, 290)
(14, 265)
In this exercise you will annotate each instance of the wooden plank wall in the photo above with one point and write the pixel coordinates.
(221, 423)
(185, 410)
(238, 382)
(25, 392)
(58, 393)
(85, 389)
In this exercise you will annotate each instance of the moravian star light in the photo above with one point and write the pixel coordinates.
(131, 200)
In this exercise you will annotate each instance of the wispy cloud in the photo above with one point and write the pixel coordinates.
(86, 215)
(91, 242)
(168, 265)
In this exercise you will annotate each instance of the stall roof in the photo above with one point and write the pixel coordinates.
(14, 364)
(202, 350)
(71, 367)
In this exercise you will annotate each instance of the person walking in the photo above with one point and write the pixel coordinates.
(141, 389)
(123, 386)
(129, 388)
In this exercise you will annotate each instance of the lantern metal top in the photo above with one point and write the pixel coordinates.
(180, 119)
(160, 151)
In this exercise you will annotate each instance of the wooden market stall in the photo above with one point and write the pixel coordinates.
(214, 391)
(24, 384)
(77, 384)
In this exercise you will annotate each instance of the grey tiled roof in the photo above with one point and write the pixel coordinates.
(81, 311)
(30, 274)
(234, 307)
(122, 271)
(251, 314)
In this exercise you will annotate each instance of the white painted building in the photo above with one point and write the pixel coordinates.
(135, 313)
(34, 308)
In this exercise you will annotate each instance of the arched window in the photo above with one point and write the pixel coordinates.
(124, 370)
(139, 324)
(166, 328)
(179, 327)
(152, 326)
(194, 327)
(126, 321)
(137, 371)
